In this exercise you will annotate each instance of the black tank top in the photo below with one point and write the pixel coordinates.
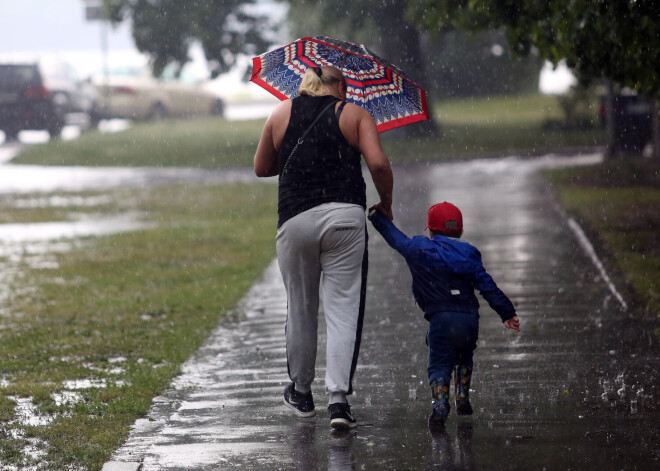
(324, 168)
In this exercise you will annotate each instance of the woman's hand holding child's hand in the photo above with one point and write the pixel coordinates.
(383, 208)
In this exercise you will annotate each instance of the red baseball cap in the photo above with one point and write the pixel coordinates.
(446, 218)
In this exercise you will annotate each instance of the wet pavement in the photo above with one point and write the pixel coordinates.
(577, 389)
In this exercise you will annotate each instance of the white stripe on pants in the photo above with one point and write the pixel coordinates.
(326, 245)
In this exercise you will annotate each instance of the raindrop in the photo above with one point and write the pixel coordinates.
(633, 406)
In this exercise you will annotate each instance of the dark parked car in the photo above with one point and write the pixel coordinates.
(42, 95)
(632, 122)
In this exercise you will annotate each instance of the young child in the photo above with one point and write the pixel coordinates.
(445, 272)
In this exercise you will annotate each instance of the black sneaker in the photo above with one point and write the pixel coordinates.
(340, 416)
(303, 404)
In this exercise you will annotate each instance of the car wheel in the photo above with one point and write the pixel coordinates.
(94, 119)
(11, 134)
(55, 129)
(158, 112)
(218, 108)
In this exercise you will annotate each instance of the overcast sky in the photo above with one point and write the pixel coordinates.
(54, 26)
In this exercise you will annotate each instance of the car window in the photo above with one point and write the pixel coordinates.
(169, 72)
(126, 71)
(189, 73)
(71, 73)
(54, 71)
(12, 75)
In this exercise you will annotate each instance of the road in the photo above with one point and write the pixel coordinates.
(576, 389)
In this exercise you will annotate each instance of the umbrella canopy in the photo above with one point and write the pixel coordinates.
(375, 84)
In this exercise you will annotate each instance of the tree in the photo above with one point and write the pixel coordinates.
(463, 64)
(615, 40)
(450, 64)
(165, 29)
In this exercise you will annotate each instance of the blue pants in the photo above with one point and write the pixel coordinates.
(451, 338)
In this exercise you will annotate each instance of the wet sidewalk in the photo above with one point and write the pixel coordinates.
(577, 389)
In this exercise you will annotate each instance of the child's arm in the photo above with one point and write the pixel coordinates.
(392, 235)
(497, 300)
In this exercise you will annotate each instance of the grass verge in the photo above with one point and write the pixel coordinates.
(618, 203)
(97, 335)
(484, 127)
(204, 142)
(496, 126)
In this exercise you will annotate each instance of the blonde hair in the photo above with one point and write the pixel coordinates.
(313, 85)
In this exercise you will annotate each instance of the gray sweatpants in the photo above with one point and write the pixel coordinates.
(327, 245)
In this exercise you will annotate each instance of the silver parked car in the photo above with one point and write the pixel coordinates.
(134, 93)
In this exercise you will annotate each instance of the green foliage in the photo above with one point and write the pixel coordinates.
(581, 109)
(461, 64)
(613, 39)
(166, 28)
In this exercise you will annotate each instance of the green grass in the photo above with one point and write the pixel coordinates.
(492, 127)
(619, 203)
(150, 296)
(485, 127)
(207, 142)
(501, 110)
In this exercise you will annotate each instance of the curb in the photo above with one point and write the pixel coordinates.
(588, 248)
(121, 466)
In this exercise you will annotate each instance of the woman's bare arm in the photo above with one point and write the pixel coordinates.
(265, 158)
(361, 132)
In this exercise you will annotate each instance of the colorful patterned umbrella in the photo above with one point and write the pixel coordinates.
(378, 86)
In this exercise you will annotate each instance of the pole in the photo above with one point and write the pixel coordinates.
(104, 63)
(612, 134)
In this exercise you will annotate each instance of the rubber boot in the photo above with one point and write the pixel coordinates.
(440, 393)
(462, 378)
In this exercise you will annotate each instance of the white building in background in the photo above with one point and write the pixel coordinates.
(555, 80)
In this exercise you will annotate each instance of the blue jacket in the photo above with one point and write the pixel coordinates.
(445, 272)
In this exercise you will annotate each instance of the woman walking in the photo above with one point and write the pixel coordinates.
(314, 143)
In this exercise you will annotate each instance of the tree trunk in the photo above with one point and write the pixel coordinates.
(611, 150)
(401, 43)
(656, 129)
